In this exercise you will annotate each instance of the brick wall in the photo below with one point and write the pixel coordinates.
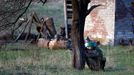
(99, 24)
(110, 22)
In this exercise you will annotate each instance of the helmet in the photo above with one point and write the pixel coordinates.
(90, 44)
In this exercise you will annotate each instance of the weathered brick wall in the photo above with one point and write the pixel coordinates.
(99, 24)
(110, 22)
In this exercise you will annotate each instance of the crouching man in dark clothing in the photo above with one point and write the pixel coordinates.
(94, 57)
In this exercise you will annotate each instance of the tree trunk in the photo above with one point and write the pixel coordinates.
(77, 35)
(79, 14)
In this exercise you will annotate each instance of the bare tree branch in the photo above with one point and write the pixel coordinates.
(93, 7)
(43, 1)
(23, 12)
(12, 11)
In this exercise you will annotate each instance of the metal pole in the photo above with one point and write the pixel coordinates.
(65, 18)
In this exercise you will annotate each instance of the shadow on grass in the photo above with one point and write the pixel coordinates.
(4, 71)
(13, 49)
(116, 69)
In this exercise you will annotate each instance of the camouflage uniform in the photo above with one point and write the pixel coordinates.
(94, 56)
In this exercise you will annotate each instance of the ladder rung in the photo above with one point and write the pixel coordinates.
(69, 4)
(69, 10)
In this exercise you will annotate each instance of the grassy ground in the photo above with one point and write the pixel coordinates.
(25, 59)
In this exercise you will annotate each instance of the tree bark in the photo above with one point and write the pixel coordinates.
(77, 35)
(78, 21)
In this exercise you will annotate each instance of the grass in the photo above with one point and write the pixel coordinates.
(26, 59)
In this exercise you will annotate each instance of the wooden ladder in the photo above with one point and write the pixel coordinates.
(68, 17)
